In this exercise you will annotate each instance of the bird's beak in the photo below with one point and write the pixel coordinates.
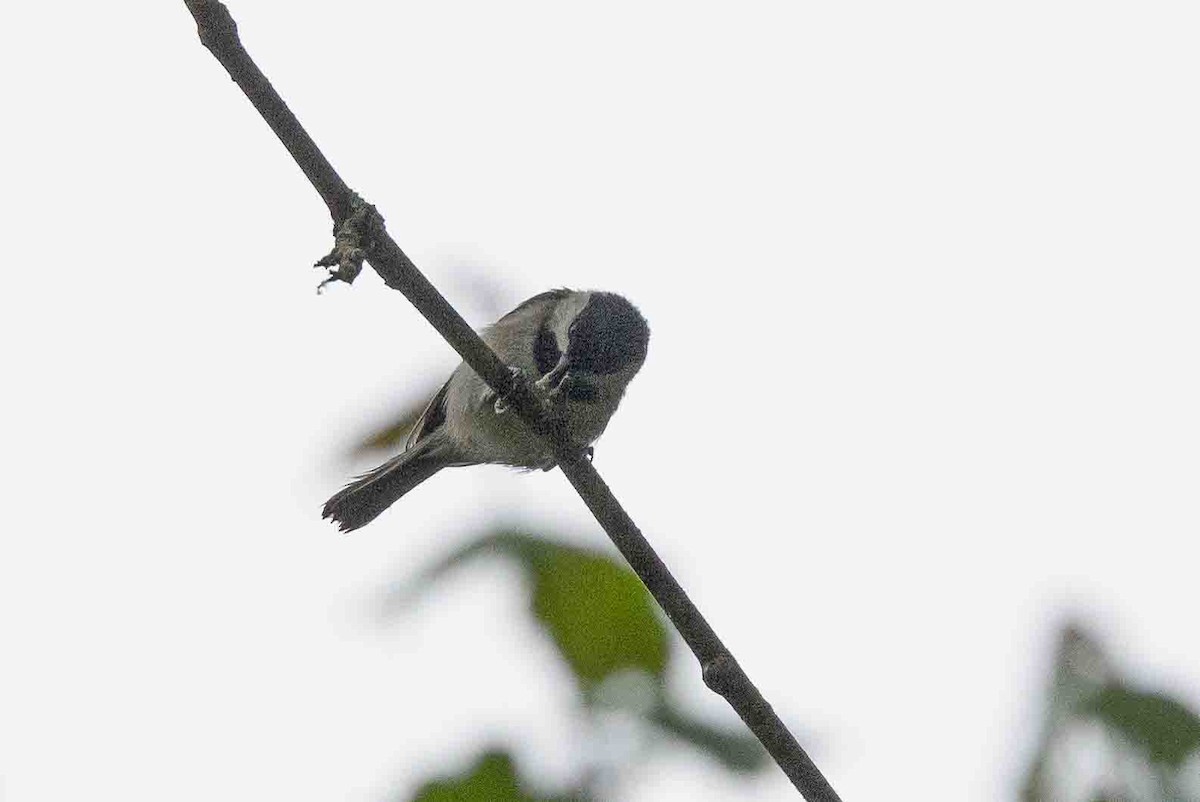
(556, 375)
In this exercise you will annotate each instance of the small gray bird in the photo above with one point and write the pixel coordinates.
(584, 347)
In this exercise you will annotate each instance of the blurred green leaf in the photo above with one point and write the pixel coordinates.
(1154, 734)
(1166, 730)
(736, 751)
(1081, 667)
(596, 611)
(392, 433)
(607, 628)
(492, 779)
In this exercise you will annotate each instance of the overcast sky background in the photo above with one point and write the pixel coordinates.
(922, 385)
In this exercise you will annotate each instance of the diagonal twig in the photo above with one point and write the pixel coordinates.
(360, 235)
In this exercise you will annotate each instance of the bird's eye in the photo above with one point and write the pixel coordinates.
(545, 350)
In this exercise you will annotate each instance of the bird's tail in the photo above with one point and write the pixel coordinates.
(361, 501)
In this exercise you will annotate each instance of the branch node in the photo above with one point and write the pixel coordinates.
(718, 673)
(214, 24)
(353, 241)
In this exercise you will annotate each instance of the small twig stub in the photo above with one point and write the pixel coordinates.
(353, 241)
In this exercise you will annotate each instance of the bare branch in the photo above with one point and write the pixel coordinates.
(360, 233)
(218, 32)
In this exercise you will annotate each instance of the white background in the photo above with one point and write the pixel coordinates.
(922, 386)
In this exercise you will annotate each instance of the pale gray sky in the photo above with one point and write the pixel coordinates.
(922, 280)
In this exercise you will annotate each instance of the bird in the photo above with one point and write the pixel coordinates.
(580, 350)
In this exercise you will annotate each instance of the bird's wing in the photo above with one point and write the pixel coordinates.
(435, 411)
(548, 295)
(433, 417)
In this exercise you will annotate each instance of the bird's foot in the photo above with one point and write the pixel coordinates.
(552, 384)
(541, 393)
(502, 404)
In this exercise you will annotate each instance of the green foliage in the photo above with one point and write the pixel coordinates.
(493, 778)
(1165, 730)
(608, 631)
(391, 435)
(738, 752)
(1149, 735)
(597, 612)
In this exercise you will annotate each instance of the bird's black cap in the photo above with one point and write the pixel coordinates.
(608, 335)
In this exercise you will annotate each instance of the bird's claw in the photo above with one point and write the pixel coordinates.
(547, 389)
(541, 394)
(518, 376)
